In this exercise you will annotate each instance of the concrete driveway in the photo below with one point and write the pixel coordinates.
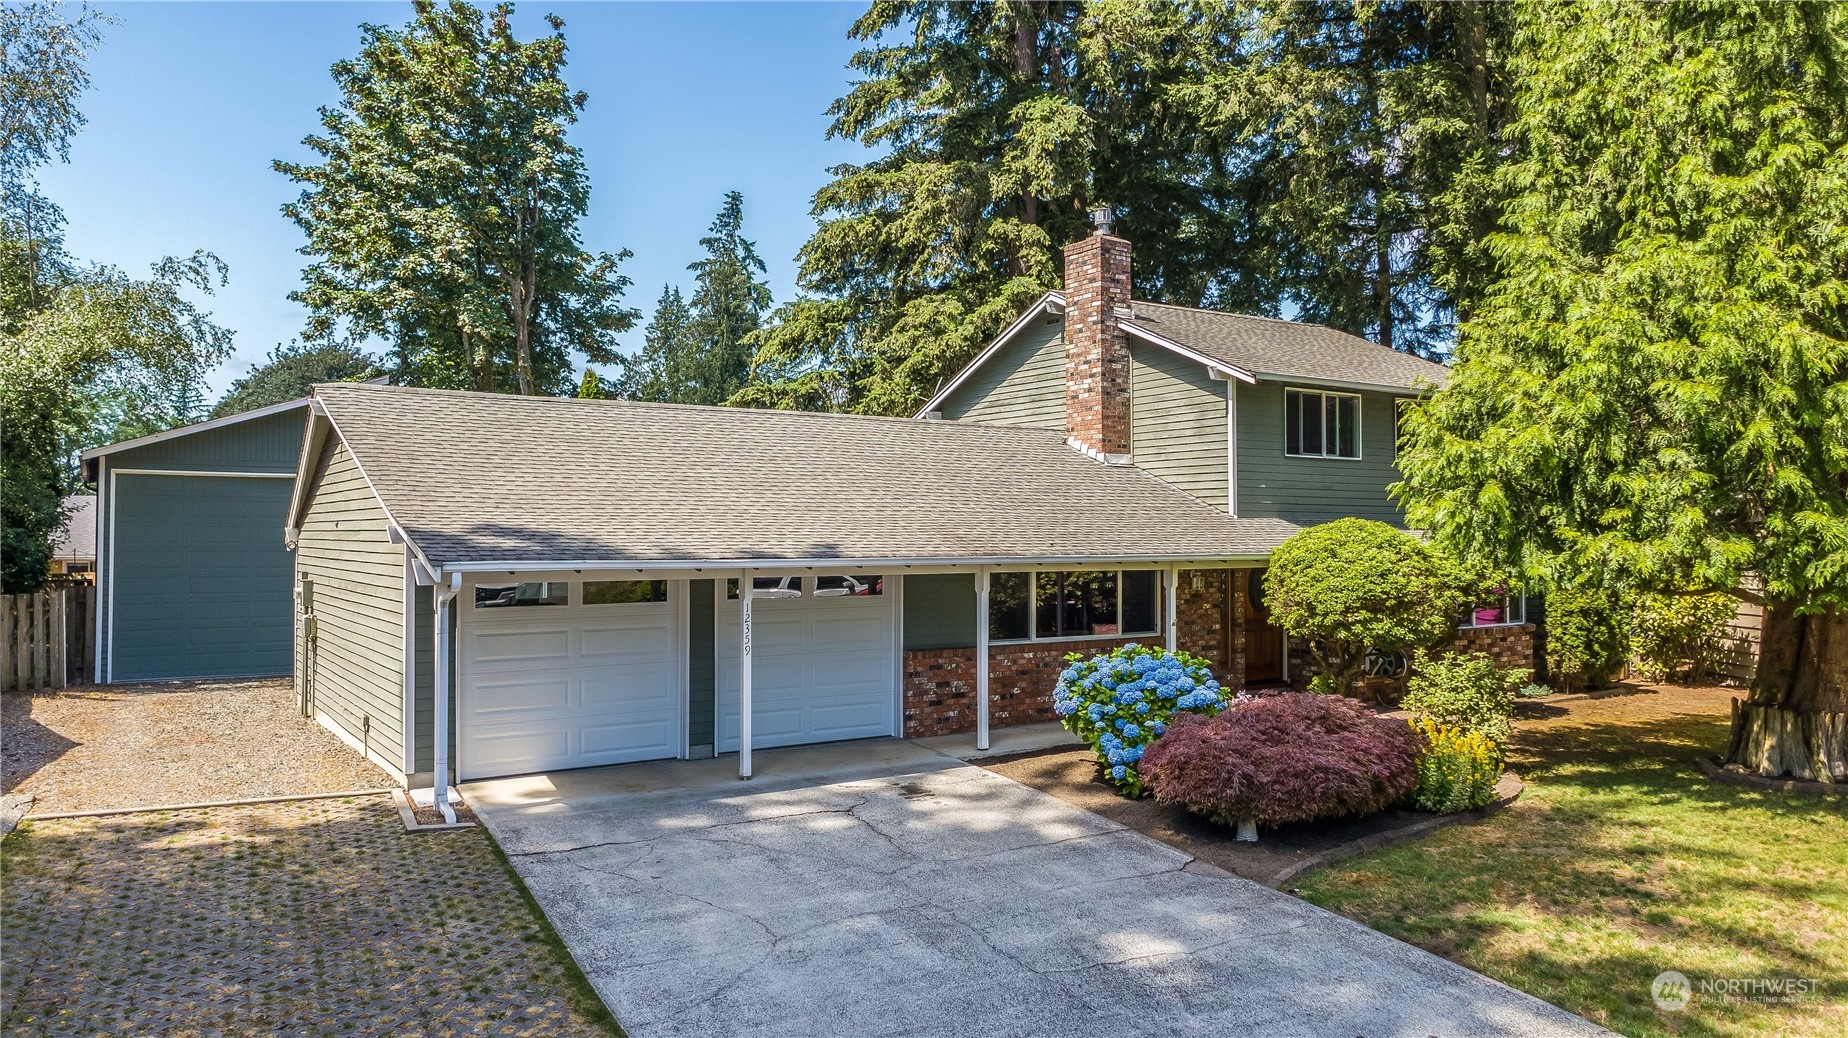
(879, 888)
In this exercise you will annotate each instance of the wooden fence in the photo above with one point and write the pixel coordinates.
(47, 638)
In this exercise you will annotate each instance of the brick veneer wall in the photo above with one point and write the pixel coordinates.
(1096, 347)
(1510, 646)
(940, 683)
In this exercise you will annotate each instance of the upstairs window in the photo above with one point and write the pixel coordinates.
(1321, 425)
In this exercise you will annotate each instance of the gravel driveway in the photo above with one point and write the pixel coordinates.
(103, 747)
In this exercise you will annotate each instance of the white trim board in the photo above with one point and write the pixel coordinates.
(106, 661)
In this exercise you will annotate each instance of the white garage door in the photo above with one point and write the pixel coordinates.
(824, 666)
(549, 683)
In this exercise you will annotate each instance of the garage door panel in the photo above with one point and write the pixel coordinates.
(606, 688)
(822, 669)
(503, 751)
(523, 646)
(495, 700)
(850, 717)
(200, 581)
(626, 738)
(851, 671)
(641, 641)
(575, 687)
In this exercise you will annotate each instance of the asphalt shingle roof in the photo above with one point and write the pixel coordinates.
(76, 540)
(481, 477)
(1268, 347)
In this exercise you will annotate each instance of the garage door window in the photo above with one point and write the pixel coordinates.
(849, 587)
(624, 592)
(532, 593)
(767, 587)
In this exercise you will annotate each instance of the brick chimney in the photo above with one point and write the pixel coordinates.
(1096, 347)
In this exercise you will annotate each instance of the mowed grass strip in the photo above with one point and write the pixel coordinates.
(1622, 861)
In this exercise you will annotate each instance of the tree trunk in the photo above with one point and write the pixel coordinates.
(1794, 723)
(1026, 66)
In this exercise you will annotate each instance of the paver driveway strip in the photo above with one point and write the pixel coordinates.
(880, 889)
(315, 917)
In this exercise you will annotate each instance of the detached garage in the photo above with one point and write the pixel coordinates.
(193, 577)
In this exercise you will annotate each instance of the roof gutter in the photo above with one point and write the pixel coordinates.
(701, 565)
(1342, 383)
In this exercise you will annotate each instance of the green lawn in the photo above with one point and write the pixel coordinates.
(1622, 861)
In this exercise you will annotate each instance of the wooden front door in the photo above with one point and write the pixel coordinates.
(1263, 641)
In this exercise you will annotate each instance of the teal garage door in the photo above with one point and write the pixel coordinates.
(201, 582)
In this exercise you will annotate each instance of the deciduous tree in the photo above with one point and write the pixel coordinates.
(290, 371)
(443, 215)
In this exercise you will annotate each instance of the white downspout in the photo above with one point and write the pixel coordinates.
(1172, 577)
(981, 659)
(440, 794)
(744, 675)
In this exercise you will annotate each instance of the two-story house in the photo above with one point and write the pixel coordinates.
(491, 585)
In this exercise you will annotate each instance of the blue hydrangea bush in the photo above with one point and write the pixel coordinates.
(1124, 700)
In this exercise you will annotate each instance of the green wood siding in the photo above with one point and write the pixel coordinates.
(701, 705)
(1177, 424)
(356, 668)
(202, 587)
(1022, 384)
(1313, 490)
(270, 444)
(423, 617)
(939, 611)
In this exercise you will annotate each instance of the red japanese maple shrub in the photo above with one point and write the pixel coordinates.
(1288, 758)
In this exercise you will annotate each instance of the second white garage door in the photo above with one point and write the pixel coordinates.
(550, 686)
(822, 668)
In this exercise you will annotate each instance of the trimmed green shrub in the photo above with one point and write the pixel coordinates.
(1587, 636)
(1289, 758)
(1466, 690)
(1457, 770)
(1672, 635)
(1354, 584)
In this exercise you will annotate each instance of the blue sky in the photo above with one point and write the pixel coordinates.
(189, 104)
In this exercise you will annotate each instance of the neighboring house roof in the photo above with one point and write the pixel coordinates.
(1270, 348)
(76, 541)
(474, 478)
(1244, 347)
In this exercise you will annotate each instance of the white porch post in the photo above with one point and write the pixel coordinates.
(744, 676)
(981, 659)
(1172, 577)
(445, 595)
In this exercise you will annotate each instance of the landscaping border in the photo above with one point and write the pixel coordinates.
(213, 803)
(1508, 789)
(1713, 769)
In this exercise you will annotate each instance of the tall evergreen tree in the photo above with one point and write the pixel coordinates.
(729, 304)
(664, 371)
(444, 213)
(1000, 124)
(699, 352)
(1653, 392)
(1367, 135)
